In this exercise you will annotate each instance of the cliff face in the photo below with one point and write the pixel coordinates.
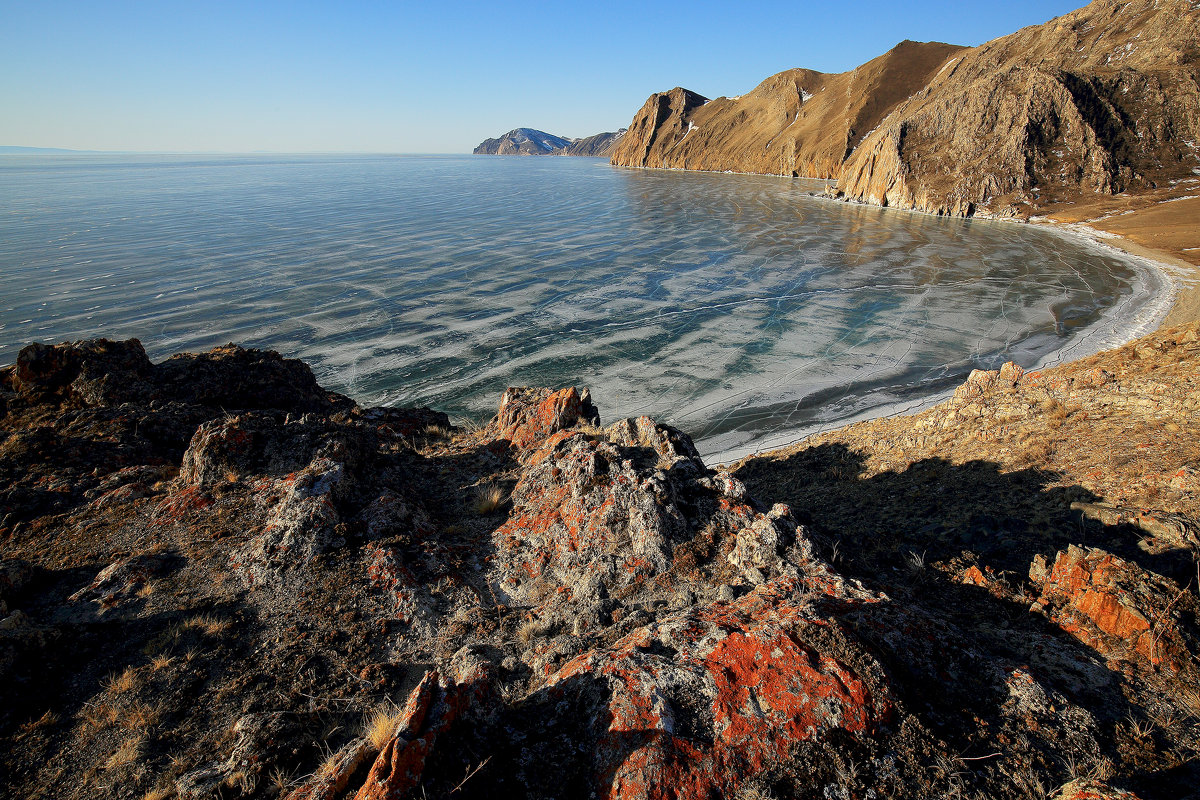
(530, 142)
(1103, 100)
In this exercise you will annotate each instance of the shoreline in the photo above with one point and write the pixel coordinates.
(1176, 300)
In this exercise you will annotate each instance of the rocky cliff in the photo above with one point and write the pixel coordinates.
(219, 580)
(530, 142)
(1103, 100)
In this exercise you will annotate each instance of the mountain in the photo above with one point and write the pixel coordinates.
(1103, 100)
(600, 144)
(16, 150)
(799, 122)
(530, 142)
(523, 142)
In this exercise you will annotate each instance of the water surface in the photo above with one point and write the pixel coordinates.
(737, 308)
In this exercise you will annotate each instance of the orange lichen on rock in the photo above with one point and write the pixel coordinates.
(528, 416)
(741, 687)
(1113, 606)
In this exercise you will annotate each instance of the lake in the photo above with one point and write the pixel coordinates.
(738, 308)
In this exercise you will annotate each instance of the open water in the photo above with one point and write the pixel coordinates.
(738, 308)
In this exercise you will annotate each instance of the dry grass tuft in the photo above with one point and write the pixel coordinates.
(435, 432)
(159, 793)
(531, 630)
(1054, 410)
(161, 661)
(488, 498)
(140, 715)
(47, 720)
(99, 716)
(129, 753)
(123, 683)
(209, 624)
(280, 780)
(380, 726)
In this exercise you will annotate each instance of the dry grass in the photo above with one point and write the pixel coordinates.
(1054, 410)
(46, 720)
(161, 661)
(121, 684)
(209, 624)
(159, 793)
(329, 766)
(488, 498)
(128, 753)
(531, 630)
(99, 715)
(435, 432)
(280, 780)
(380, 725)
(140, 715)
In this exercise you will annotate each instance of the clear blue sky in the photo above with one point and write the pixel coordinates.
(418, 77)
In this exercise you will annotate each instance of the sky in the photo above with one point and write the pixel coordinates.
(419, 77)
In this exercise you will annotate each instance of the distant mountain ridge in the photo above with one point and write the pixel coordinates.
(532, 142)
(1103, 100)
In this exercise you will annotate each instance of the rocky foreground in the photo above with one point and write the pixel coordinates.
(220, 580)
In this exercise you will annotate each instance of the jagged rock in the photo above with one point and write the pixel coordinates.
(263, 444)
(430, 710)
(258, 738)
(1117, 608)
(583, 516)
(121, 579)
(528, 416)
(95, 372)
(701, 702)
(333, 781)
(234, 378)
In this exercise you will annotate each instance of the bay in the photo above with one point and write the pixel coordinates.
(738, 308)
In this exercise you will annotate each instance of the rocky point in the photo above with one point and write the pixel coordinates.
(221, 581)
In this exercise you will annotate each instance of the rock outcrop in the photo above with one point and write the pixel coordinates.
(205, 595)
(1100, 101)
(530, 142)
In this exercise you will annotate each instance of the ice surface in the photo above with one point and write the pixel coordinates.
(736, 307)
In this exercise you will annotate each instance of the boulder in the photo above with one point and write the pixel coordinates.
(528, 416)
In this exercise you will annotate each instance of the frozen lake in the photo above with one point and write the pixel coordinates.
(737, 308)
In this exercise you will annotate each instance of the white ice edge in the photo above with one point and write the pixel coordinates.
(1153, 291)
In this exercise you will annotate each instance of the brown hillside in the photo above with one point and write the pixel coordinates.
(1101, 101)
(799, 122)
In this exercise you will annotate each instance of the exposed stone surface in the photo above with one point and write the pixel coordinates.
(206, 596)
(1119, 609)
